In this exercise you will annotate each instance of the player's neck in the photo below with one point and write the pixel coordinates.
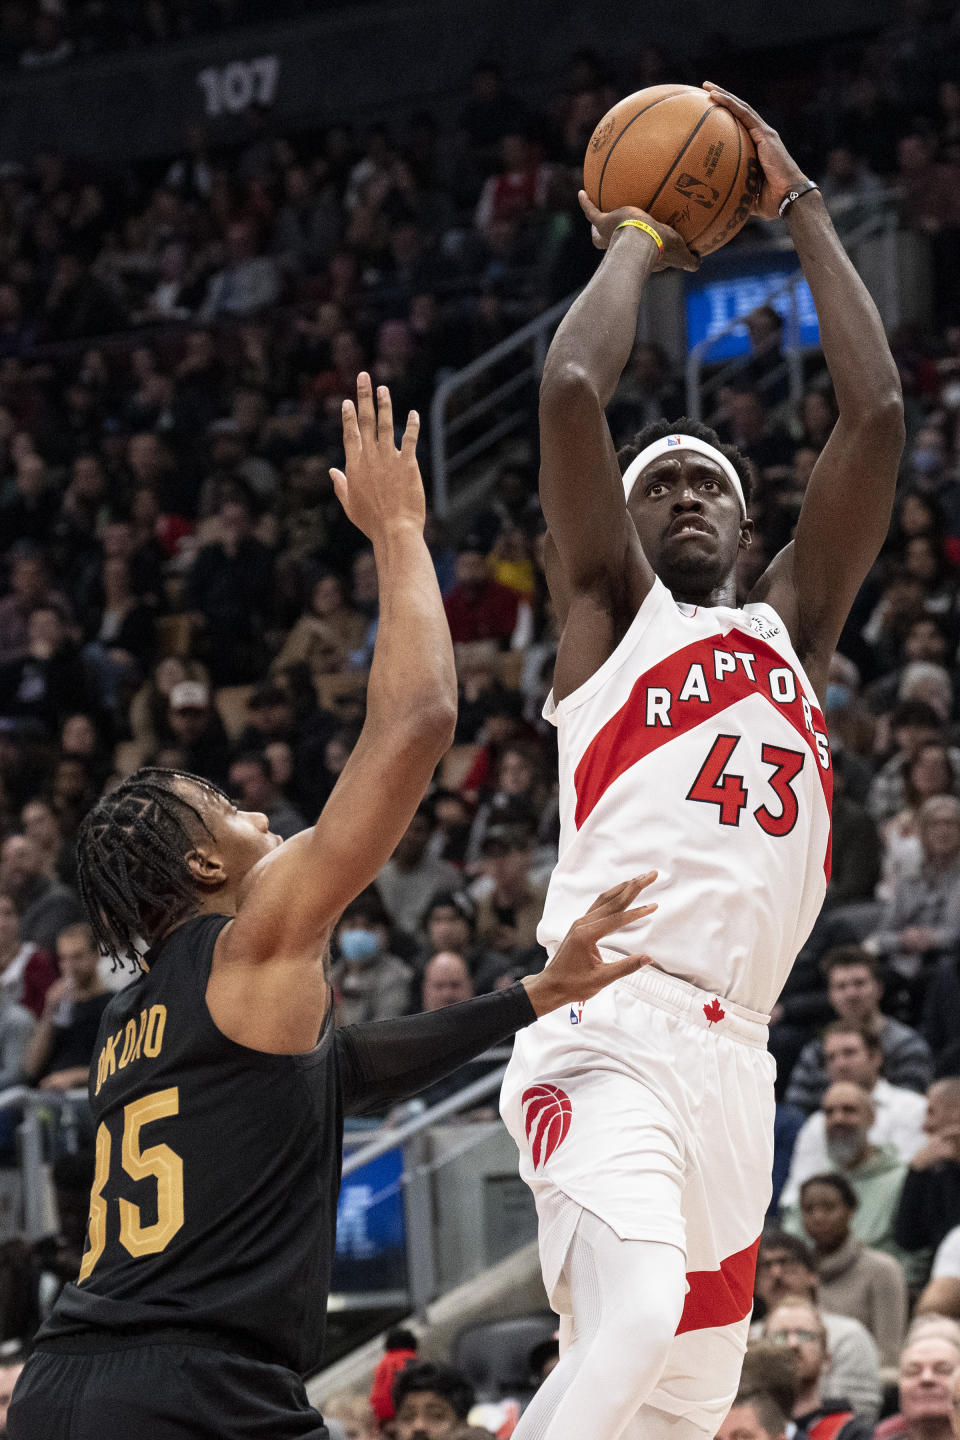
(723, 594)
(219, 902)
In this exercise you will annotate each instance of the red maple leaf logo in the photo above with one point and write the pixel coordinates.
(547, 1113)
(714, 1012)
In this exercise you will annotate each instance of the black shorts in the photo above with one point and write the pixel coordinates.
(159, 1392)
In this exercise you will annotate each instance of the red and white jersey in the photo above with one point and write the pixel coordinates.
(697, 749)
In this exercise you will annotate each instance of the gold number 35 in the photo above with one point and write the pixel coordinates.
(159, 1162)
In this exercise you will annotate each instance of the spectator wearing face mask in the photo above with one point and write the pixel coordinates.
(369, 982)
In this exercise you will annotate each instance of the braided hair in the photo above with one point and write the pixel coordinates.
(132, 871)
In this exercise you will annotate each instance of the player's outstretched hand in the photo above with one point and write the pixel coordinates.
(577, 970)
(780, 171)
(603, 224)
(381, 486)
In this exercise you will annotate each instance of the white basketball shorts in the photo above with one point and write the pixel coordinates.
(652, 1106)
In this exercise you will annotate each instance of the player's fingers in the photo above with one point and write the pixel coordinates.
(588, 207)
(408, 445)
(351, 432)
(366, 414)
(691, 261)
(682, 257)
(618, 893)
(732, 102)
(604, 924)
(384, 416)
(617, 969)
(339, 485)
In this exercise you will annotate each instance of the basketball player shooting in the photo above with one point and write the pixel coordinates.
(691, 724)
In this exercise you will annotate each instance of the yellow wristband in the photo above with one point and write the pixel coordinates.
(642, 225)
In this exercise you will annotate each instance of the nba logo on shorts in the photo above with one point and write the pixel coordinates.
(546, 1118)
(576, 1012)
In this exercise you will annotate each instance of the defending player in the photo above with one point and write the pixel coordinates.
(685, 720)
(203, 1289)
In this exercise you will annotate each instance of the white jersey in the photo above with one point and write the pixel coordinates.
(697, 749)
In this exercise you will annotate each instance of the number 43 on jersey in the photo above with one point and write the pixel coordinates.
(715, 785)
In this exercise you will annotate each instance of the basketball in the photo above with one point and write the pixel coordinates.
(669, 150)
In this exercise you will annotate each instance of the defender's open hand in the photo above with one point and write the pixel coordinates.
(382, 486)
(577, 970)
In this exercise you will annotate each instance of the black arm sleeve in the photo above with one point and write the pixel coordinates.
(389, 1060)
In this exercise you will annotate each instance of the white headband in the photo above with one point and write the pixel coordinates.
(668, 446)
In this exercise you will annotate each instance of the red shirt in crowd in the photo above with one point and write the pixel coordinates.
(487, 611)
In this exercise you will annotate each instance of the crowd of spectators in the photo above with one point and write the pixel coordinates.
(41, 33)
(180, 587)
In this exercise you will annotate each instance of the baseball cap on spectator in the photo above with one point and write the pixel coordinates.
(189, 695)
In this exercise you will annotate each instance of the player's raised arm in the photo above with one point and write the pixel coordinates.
(295, 895)
(846, 509)
(580, 486)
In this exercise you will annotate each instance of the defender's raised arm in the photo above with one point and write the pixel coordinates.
(293, 897)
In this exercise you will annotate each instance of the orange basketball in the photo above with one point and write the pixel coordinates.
(686, 161)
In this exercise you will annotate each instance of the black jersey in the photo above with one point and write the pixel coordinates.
(217, 1167)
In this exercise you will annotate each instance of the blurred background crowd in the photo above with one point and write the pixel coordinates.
(179, 586)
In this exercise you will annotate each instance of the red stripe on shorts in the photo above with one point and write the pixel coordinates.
(720, 1297)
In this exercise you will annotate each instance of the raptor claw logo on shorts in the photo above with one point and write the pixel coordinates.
(546, 1118)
